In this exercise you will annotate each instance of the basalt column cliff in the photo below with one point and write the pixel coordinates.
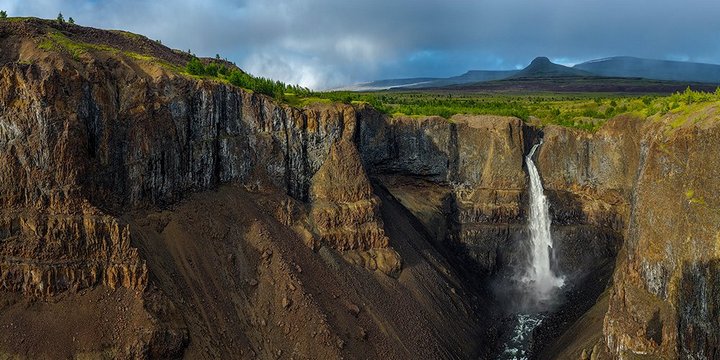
(147, 213)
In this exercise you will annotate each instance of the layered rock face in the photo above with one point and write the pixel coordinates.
(652, 182)
(345, 210)
(465, 179)
(39, 259)
(665, 301)
(89, 142)
(53, 238)
(343, 201)
(589, 179)
(474, 166)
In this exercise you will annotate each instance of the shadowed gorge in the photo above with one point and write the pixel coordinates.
(146, 212)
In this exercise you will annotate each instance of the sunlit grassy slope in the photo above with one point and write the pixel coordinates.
(587, 111)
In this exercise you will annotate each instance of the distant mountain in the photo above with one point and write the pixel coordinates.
(542, 67)
(471, 76)
(542, 75)
(625, 66)
(388, 84)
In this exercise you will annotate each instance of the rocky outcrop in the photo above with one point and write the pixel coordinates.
(665, 299)
(345, 211)
(344, 208)
(477, 158)
(46, 253)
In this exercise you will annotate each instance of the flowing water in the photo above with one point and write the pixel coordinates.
(539, 284)
(539, 278)
(517, 347)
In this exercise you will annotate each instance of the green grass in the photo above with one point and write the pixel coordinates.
(586, 111)
(56, 41)
(128, 34)
(684, 107)
(147, 58)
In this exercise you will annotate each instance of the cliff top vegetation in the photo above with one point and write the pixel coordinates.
(587, 111)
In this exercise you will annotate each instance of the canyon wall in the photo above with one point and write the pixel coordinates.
(465, 179)
(75, 142)
(88, 140)
(649, 182)
(473, 166)
(653, 181)
(665, 300)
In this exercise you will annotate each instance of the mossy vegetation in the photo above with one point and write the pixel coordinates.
(18, 18)
(57, 41)
(693, 199)
(127, 34)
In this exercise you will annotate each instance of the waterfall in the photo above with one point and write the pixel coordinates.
(539, 276)
(539, 284)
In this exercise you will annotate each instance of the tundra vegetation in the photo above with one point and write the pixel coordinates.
(587, 111)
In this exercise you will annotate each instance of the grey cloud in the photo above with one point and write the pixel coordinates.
(324, 43)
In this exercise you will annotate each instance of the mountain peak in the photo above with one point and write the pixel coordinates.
(541, 60)
(542, 67)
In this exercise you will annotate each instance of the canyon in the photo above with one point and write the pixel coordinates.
(146, 213)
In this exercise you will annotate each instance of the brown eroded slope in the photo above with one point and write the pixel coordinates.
(247, 284)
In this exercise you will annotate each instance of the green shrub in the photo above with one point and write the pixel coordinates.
(260, 85)
(195, 67)
(3, 14)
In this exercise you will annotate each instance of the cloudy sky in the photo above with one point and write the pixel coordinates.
(327, 43)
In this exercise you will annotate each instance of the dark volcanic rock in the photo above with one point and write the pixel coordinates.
(89, 140)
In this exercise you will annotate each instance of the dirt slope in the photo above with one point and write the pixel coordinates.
(248, 285)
